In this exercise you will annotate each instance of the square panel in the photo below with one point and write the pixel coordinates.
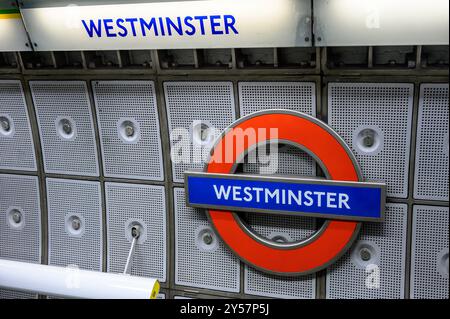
(429, 258)
(16, 142)
(431, 169)
(374, 119)
(20, 224)
(197, 113)
(144, 206)
(201, 258)
(75, 224)
(66, 128)
(129, 129)
(374, 267)
(20, 220)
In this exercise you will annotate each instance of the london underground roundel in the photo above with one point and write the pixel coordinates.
(342, 199)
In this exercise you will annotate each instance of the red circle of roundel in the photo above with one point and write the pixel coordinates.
(314, 136)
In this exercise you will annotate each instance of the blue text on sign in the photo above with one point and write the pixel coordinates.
(161, 26)
(289, 196)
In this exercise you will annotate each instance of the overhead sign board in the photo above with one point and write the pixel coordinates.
(381, 22)
(165, 25)
(12, 32)
(343, 198)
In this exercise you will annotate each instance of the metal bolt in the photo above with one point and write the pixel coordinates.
(365, 254)
(204, 132)
(135, 231)
(4, 122)
(279, 239)
(207, 239)
(67, 127)
(129, 129)
(76, 224)
(368, 139)
(17, 217)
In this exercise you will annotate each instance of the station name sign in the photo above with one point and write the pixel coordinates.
(289, 196)
(343, 200)
(170, 24)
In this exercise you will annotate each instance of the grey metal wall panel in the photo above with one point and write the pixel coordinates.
(20, 226)
(295, 96)
(128, 205)
(286, 229)
(66, 127)
(200, 263)
(129, 129)
(20, 229)
(15, 294)
(429, 258)
(16, 143)
(375, 121)
(70, 200)
(375, 266)
(191, 104)
(431, 169)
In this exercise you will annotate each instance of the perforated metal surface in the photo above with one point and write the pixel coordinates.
(385, 110)
(15, 294)
(432, 149)
(295, 96)
(16, 143)
(133, 103)
(65, 102)
(430, 248)
(127, 205)
(380, 276)
(287, 229)
(80, 199)
(211, 103)
(291, 161)
(20, 240)
(196, 264)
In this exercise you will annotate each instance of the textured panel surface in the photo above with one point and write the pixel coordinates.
(132, 104)
(295, 96)
(128, 205)
(429, 259)
(68, 200)
(287, 229)
(65, 126)
(20, 240)
(16, 143)
(431, 170)
(383, 111)
(15, 294)
(382, 274)
(191, 103)
(198, 264)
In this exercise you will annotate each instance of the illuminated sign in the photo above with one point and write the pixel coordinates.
(12, 32)
(162, 25)
(343, 199)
